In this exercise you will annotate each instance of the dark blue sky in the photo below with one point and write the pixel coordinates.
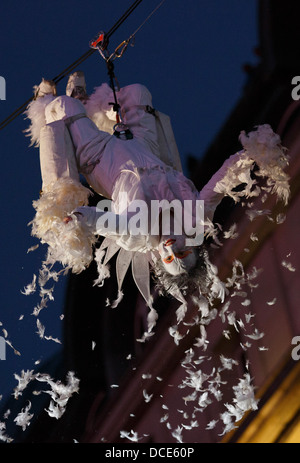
(190, 55)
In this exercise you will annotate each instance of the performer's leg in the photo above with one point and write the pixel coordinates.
(87, 139)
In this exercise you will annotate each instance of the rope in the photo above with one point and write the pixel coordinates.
(119, 51)
(72, 66)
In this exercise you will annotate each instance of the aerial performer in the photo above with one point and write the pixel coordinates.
(127, 153)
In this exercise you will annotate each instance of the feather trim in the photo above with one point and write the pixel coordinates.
(117, 301)
(97, 107)
(263, 147)
(71, 243)
(102, 269)
(35, 112)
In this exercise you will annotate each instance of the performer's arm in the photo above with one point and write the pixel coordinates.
(109, 224)
(209, 193)
(102, 223)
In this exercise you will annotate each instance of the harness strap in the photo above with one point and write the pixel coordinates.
(69, 120)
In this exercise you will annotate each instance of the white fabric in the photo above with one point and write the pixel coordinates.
(57, 158)
(153, 128)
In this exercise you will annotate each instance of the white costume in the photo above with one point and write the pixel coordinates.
(146, 167)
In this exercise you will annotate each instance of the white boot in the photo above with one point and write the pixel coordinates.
(44, 93)
(46, 87)
(76, 86)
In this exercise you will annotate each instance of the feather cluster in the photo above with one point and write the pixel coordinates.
(59, 392)
(68, 243)
(98, 111)
(263, 147)
(35, 112)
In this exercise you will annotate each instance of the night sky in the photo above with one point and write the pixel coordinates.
(190, 55)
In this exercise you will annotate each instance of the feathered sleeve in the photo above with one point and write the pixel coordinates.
(211, 193)
(99, 108)
(261, 147)
(35, 112)
(104, 223)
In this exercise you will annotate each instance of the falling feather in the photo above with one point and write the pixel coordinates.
(173, 330)
(60, 393)
(42, 305)
(4, 437)
(204, 400)
(193, 424)
(245, 346)
(180, 312)
(280, 218)
(255, 335)
(132, 436)
(202, 342)
(32, 248)
(288, 266)
(227, 363)
(211, 425)
(117, 301)
(231, 233)
(41, 333)
(227, 334)
(248, 317)
(54, 410)
(30, 288)
(41, 329)
(23, 380)
(252, 214)
(253, 237)
(147, 396)
(177, 434)
(23, 418)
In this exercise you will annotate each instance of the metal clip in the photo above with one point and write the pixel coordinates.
(122, 132)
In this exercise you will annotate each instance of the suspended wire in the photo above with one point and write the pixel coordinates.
(119, 51)
(100, 44)
(72, 66)
(148, 17)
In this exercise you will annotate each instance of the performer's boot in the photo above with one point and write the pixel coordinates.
(76, 86)
(43, 94)
(46, 87)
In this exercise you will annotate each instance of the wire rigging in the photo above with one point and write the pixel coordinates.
(72, 66)
(100, 43)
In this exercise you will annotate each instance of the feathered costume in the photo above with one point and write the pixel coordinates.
(76, 138)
